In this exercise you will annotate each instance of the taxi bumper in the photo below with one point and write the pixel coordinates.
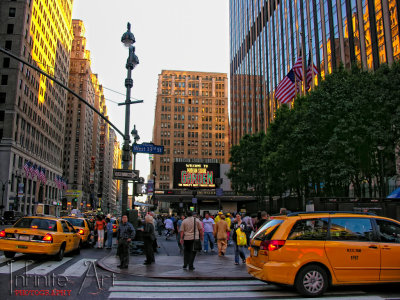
(274, 272)
(29, 247)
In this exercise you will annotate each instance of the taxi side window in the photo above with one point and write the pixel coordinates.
(389, 232)
(310, 229)
(70, 227)
(351, 229)
(65, 226)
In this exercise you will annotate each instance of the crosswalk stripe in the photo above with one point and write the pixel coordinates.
(192, 289)
(47, 267)
(4, 259)
(79, 268)
(204, 295)
(16, 265)
(191, 283)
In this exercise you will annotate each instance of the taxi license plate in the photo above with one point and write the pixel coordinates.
(255, 252)
(22, 247)
(24, 237)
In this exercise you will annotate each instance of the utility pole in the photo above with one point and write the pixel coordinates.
(128, 40)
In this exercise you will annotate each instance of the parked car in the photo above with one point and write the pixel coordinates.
(40, 235)
(313, 250)
(10, 216)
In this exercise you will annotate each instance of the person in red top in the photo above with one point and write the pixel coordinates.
(100, 225)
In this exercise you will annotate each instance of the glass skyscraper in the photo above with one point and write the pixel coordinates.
(267, 36)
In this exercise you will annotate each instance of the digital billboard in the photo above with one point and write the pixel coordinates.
(195, 175)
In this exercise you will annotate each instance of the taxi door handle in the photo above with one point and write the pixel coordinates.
(373, 247)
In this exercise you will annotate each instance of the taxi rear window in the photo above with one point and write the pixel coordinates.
(33, 223)
(76, 222)
(267, 230)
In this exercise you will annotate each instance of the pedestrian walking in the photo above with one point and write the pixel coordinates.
(209, 229)
(100, 225)
(263, 220)
(148, 239)
(229, 222)
(188, 237)
(125, 234)
(221, 230)
(109, 228)
(218, 217)
(239, 238)
(178, 233)
(169, 226)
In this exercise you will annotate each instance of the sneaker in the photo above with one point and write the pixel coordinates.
(236, 263)
(244, 261)
(205, 251)
(212, 250)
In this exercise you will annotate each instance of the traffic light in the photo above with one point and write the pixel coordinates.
(75, 199)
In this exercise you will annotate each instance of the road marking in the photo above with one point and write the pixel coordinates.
(191, 283)
(78, 268)
(180, 289)
(16, 265)
(47, 267)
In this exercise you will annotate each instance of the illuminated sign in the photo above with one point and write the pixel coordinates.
(195, 175)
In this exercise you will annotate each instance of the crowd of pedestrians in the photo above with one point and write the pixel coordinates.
(215, 232)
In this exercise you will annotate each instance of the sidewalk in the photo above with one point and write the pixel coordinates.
(169, 264)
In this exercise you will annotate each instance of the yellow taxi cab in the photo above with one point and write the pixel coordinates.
(314, 250)
(82, 226)
(40, 235)
(115, 223)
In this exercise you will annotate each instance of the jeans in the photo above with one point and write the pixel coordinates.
(188, 253)
(109, 239)
(208, 236)
(100, 238)
(239, 250)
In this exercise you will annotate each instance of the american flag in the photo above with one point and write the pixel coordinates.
(286, 91)
(58, 181)
(32, 169)
(36, 171)
(64, 183)
(27, 168)
(42, 175)
(298, 68)
(310, 70)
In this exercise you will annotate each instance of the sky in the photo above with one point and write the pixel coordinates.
(191, 35)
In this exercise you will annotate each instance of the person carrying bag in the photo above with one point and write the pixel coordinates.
(189, 230)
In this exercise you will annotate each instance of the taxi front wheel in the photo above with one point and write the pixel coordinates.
(311, 281)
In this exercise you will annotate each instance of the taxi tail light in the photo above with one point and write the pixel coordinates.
(81, 231)
(272, 245)
(2, 234)
(114, 226)
(48, 238)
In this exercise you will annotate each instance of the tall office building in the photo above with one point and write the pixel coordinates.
(78, 149)
(266, 38)
(191, 121)
(33, 108)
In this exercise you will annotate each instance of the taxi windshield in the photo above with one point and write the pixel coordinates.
(34, 223)
(267, 230)
(76, 222)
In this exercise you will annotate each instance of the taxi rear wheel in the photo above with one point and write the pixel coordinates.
(311, 281)
(60, 255)
(9, 254)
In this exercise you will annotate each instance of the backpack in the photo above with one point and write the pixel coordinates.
(241, 239)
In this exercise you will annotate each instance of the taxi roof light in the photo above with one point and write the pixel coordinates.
(48, 238)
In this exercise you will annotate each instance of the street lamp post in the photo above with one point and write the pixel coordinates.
(154, 189)
(381, 148)
(136, 138)
(3, 188)
(128, 40)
